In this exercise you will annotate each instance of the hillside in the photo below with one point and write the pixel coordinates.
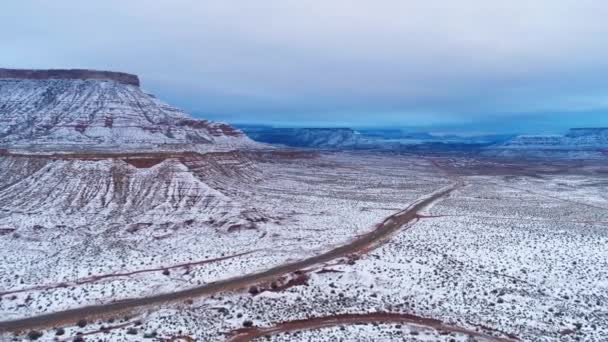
(81, 109)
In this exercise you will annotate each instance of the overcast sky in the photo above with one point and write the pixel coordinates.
(514, 65)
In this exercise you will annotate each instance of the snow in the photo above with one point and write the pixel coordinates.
(518, 255)
(72, 114)
(518, 251)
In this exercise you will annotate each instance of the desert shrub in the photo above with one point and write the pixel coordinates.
(254, 290)
(150, 334)
(34, 335)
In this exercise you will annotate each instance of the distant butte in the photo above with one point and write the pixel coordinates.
(77, 74)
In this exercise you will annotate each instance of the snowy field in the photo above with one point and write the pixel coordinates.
(515, 253)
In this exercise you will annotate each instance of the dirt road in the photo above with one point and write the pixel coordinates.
(417, 322)
(382, 231)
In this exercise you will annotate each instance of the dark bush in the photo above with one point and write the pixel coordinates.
(34, 335)
(150, 334)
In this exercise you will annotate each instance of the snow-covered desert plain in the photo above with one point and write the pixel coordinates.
(516, 251)
(122, 218)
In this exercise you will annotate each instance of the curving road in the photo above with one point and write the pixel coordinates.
(383, 230)
(250, 334)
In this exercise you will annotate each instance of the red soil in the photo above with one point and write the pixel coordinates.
(299, 280)
(249, 334)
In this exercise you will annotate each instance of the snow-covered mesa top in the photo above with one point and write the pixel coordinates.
(576, 138)
(78, 109)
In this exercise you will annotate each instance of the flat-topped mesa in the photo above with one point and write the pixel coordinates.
(67, 110)
(70, 74)
(586, 131)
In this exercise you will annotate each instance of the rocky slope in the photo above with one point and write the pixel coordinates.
(52, 109)
(132, 192)
(90, 148)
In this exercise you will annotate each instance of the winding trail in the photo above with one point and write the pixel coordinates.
(383, 230)
(95, 278)
(250, 334)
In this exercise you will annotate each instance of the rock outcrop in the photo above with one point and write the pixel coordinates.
(70, 74)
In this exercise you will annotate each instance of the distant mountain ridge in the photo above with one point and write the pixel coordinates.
(592, 136)
(308, 137)
(365, 139)
(576, 138)
(577, 143)
(99, 109)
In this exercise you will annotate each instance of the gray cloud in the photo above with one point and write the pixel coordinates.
(332, 61)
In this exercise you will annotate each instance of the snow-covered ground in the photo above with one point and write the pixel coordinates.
(508, 255)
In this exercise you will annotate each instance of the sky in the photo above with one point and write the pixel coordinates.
(515, 66)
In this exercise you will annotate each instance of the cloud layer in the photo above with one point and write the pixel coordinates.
(334, 62)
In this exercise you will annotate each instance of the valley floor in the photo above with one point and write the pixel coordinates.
(514, 251)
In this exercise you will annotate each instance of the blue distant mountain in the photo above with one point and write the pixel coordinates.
(365, 139)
